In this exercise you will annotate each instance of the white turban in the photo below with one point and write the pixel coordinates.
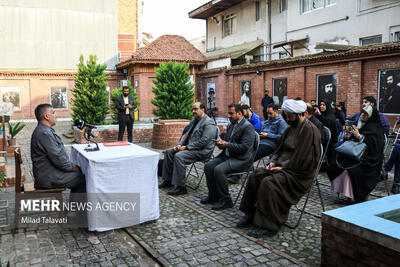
(294, 106)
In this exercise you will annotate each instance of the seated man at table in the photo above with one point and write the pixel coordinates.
(271, 192)
(195, 145)
(236, 156)
(51, 165)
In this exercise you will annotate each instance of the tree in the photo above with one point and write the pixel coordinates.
(173, 92)
(114, 94)
(90, 102)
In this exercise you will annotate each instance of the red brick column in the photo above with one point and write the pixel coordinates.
(354, 91)
(166, 133)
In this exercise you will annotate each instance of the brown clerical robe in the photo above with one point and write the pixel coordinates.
(269, 195)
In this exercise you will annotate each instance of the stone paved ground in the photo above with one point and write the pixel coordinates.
(186, 234)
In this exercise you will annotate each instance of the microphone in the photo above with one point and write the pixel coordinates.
(81, 124)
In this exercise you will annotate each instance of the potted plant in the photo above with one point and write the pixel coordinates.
(3, 182)
(13, 131)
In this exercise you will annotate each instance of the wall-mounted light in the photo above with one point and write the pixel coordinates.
(258, 72)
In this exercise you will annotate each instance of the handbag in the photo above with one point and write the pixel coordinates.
(353, 150)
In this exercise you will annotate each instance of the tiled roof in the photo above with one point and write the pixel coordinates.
(364, 51)
(166, 48)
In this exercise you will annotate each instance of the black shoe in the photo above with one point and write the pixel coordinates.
(235, 179)
(165, 184)
(395, 188)
(178, 190)
(207, 199)
(246, 220)
(258, 232)
(223, 204)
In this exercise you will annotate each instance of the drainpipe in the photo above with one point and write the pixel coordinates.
(269, 35)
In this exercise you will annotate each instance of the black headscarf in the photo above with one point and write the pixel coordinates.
(328, 118)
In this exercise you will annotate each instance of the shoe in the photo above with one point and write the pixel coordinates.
(207, 199)
(258, 232)
(223, 204)
(178, 190)
(235, 179)
(395, 188)
(246, 220)
(165, 184)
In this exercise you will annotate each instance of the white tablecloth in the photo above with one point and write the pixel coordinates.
(120, 169)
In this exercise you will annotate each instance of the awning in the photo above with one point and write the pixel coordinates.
(211, 8)
(336, 47)
(294, 44)
(236, 51)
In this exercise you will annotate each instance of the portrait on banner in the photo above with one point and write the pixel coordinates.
(326, 88)
(210, 95)
(389, 91)
(11, 95)
(279, 90)
(245, 93)
(58, 97)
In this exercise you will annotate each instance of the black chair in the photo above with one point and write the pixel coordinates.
(197, 174)
(248, 171)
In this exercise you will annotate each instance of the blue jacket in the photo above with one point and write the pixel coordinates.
(256, 121)
(274, 128)
(384, 121)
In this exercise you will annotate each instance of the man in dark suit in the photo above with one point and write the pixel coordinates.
(195, 145)
(237, 155)
(125, 105)
(51, 165)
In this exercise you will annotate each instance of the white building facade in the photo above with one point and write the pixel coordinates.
(259, 30)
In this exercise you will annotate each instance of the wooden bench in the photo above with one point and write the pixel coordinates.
(21, 193)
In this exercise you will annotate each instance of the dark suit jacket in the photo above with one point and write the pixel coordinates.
(241, 145)
(120, 105)
(50, 161)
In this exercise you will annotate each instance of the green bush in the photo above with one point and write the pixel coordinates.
(90, 102)
(114, 94)
(15, 129)
(173, 91)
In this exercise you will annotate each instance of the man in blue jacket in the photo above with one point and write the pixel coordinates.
(371, 101)
(253, 118)
(271, 131)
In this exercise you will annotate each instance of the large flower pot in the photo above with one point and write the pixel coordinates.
(12, 142)
(166, 133)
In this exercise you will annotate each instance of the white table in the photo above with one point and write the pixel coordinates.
(116, 170)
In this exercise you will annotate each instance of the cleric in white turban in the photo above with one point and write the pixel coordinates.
(271, 192)
(294, 106)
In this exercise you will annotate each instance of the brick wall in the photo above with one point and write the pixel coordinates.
(341, 248)
(145, 94)
(35, 89)
(127, 27)
(166, 133)
(140, 134)
(356, 78)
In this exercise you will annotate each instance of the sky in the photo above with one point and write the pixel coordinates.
(171, 17)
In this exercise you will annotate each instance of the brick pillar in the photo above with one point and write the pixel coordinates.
(354, 90)
(300, 83)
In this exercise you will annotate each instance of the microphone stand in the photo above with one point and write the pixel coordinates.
(87, 134)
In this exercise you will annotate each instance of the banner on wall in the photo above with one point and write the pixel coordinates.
(11, 95)
(279, 90)
(389, 91)
(245, 93)
(326, 88)
(210, 95)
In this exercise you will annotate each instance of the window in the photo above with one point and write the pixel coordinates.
(308, 5)
(258, 10)
(229, 25)
(283, 54)
(370, 40)
(282, 6)
(396, 36)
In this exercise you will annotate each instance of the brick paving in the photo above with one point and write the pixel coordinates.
(186, 234)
